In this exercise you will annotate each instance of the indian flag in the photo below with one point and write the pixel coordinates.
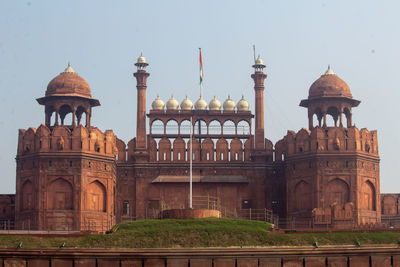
(201, 68)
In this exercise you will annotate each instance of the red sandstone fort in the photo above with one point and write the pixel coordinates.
(76, 177)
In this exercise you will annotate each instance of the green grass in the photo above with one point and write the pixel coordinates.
(210, 232)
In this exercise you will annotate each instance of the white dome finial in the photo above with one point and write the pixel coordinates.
(329, 71)
(69, 69)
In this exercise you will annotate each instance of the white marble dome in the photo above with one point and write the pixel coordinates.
(214, 104)
(157, 104)
(186, 104)
(172, 104)
(200, 104)
(242, 105)
(229, 104)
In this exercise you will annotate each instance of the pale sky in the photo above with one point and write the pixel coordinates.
(296, 39)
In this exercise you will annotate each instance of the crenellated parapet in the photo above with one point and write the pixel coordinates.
(62, 139)
(327, 140)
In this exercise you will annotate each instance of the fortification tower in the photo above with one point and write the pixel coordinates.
(332, 171)
(66, 171)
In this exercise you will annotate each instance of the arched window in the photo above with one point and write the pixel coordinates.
(172, 127)
(65, 115)
(214, 127)
(229, 127)
(185, 127)
(200, 127)
(333, 118)
(157, 127)
(80, 111)
(317, 118)
(59, 195)
(96, 197)
(243, 128)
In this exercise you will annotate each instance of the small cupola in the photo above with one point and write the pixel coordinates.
(214, 104)
(229, 104)
(172, 104)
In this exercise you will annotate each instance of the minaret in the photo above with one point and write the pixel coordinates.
(259, 77)
(141, 77)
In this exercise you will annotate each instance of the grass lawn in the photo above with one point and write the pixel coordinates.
(209, 232)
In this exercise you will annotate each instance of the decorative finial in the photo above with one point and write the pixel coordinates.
(329, 71)
(69, 69)
(259, 64)
(141, 63)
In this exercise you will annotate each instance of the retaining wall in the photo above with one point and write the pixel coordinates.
(381, 256)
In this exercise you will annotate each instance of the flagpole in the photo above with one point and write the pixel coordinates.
(190, 168)
(201, 73)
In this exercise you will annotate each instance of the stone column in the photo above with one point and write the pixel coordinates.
(141, 78)
(259, 78)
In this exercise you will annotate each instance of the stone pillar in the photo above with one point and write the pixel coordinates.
(56, 121)
(259, 78)
(141, 85)
(73, 116)
(310, 121)
(349, 121)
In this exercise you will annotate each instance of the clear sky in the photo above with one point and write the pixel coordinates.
(296, 39)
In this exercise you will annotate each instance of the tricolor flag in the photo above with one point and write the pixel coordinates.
(201, 68)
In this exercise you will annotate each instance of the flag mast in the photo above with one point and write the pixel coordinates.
(191, 139)
(190, 168)
(201, 73)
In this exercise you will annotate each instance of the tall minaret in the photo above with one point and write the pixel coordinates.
(141, 77)
(259, 77)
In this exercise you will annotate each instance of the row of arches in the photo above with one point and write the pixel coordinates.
(337, 192)
(66, 114)
(60, 196)
(178, 150)
(330, 116)
(214, 127)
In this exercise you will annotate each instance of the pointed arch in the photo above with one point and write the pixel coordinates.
(368, 196)
(338, 192)
(96, 197)
(27, 196)
(59, 195)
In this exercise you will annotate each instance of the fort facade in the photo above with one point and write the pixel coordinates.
(73, 177)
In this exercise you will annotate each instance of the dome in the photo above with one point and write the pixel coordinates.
(214, 104)
(242, 105)
(141, 59)
(68, 83)
(229, 104)
(186, 104)
(259, 64)
(200, 104)
(157, 104)
(259, 61)
(172, 104)
(329, 85)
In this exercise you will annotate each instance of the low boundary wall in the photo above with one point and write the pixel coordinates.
(334, 256)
